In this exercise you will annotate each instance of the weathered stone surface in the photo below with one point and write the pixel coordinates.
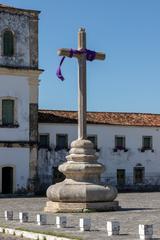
(83, 157)
(113, 228)
(41, 219)
(145, 231)
(81, 207)
(24, 26)
(33, 30)
(33, 119)
(61, 221)
(8, 215)
(82, 183)
(72, 191)
(82, 171)
(85, 224)
(23, 217)
(79, 143)
(81, 189)
(33, 135)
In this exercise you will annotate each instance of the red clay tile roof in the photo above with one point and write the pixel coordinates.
(108, 118)
(3, 5)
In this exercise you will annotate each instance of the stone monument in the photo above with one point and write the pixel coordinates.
(81, 191)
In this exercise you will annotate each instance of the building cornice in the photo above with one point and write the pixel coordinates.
(20, 11)
(17, 144)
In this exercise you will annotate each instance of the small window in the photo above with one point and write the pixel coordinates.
(8, 43)
(7, 112)
(93, 139)
(119, 142)
(44, 140)
(147, 142)
(61, 141)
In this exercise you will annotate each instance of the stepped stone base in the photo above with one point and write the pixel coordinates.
(81, 207)
(81, 191)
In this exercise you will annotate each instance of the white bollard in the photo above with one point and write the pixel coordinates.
(113, 228)
(41, 219)
(145, 231)
(61, 221)
(8, 215)
(84, 224)
(23, 217)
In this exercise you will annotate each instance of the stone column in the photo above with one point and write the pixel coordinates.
(33, 134)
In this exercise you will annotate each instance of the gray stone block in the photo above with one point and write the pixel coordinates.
(8, 215)
(23, 217)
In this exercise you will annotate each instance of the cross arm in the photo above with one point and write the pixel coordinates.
(66, 53)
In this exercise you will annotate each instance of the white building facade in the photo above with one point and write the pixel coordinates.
(18, 99)
(127, 145)
(34, 142)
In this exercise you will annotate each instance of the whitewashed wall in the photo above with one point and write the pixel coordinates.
(114, 160)
(16, 87)
(129, 160)
(18, 159)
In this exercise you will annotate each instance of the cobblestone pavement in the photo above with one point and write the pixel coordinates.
(136, 208)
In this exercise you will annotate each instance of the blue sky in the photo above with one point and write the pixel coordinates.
(128, 31)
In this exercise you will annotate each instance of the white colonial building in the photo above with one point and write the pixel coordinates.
(128, 144)
(18, 99)
(34, 142)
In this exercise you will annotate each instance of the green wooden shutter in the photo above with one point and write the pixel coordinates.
(119, 142)
(62, 141)
(44, 141)
(8, 43)
(147, 142)
(7, 112)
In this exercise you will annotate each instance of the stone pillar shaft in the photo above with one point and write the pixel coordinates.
(82, 100)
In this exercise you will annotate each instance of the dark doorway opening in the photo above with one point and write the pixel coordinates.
(121, 177)
(7, 180)
(138, 175)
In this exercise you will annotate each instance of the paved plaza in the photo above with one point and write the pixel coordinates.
(4, 237)
(136, 208)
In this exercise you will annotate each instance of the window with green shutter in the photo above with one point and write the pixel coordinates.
(44, 140)
(147, 142)
(8, 43)
(61, 141)
(7, 112)
(119, 142)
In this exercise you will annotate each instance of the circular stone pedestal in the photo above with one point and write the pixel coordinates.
(81, 190)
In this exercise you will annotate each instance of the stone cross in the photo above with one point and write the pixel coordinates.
(82, 101)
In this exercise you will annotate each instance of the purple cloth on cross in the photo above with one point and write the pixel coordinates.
(59, 73)
(90, 56)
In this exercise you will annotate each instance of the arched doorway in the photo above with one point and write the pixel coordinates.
(7, 180)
